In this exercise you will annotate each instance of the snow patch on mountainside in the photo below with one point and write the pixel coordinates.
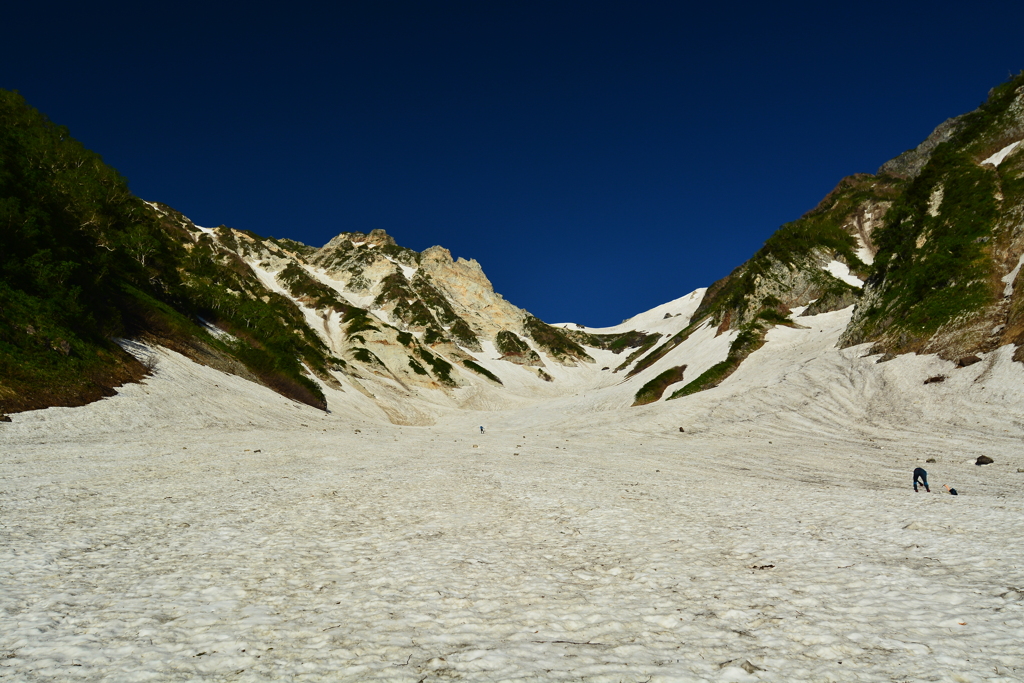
(1001, 155)
(842, 271)
(678, 312)
(863, 252)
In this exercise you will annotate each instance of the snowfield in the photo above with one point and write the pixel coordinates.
(198, 526)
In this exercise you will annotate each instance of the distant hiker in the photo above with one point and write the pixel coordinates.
(951, 491)
(481, 429)
(919, 473)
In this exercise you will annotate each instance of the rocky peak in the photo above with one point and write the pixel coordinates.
(465, 285)
(910, 163)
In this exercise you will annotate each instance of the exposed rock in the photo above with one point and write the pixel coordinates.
(835, 299)
(967, 360)
(984, 460)
(935, 379)
(745, 665)
(513, 349)
(910, 163)
(5, 418)
(470, 293)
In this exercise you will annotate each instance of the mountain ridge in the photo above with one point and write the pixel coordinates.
(926, 251)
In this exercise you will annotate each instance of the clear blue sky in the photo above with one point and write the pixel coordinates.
(596, 158)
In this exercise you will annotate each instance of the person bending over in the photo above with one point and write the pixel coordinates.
(920, 474)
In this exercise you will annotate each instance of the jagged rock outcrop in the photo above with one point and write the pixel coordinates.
(910, 163)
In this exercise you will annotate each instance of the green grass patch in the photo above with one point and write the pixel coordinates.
(479, 369)
(749, 339)
(653, 390)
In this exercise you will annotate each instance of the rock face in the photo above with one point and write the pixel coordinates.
(910, 163)
(392, 321)
(470, 293)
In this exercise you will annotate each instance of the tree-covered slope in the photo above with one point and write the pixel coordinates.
(83, 261)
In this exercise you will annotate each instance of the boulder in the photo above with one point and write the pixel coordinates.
(984, 460)
(967, 360)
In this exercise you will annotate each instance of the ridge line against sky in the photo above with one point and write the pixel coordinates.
(598, 159)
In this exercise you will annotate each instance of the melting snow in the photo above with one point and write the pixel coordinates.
(407, 271)
(200, 526)
(1001, 155)
(678, 311)
(842, 271)
(1011, 276)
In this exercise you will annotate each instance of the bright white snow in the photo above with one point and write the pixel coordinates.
(197, 526)
(678, 311)
(1001, 155)
(842, 271)
(1010, 277)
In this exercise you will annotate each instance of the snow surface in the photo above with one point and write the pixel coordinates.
(198, 526)
(1009, 278)
(842, 271)
(680, 311)
(863, 252)
(1001, 155)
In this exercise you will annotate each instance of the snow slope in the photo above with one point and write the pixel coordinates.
(198, 526)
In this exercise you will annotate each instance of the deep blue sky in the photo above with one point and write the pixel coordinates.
(596, 158)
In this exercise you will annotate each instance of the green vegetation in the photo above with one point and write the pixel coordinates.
(442, 368)
(659, 353)
(554, 341)
(653, 390)
(510, 345)
(646, 346)
(358, 320)
(836, 296)
(933, 264)
(616, 342)
(82, 261)
(749, 339)
(299, 248)
(774, 316)
(794, 246)
(458, 328)
(367, 357)
(476, 367)
(420, 305)
(314, 293)
(416, 367)
(401, 254)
